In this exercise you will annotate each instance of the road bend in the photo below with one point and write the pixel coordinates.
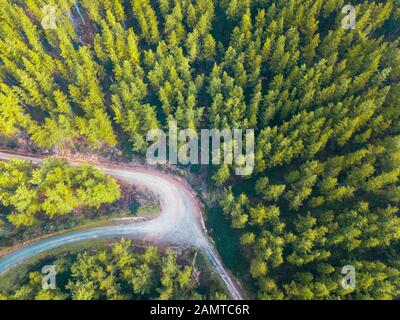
(180, 221)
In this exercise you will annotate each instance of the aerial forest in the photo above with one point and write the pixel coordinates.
(324, 102)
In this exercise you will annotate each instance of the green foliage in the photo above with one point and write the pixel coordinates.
(327, 153)
(117, 273)
(323, 102)
(54, 188)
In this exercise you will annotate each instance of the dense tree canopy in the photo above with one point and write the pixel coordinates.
(118, 273)
(54, 188)
(324, 102)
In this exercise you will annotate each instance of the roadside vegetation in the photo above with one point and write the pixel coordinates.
(56, 197)
(53, 189)
(323, 101)
(119, 272)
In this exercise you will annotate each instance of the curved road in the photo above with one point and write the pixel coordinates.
(179, 223)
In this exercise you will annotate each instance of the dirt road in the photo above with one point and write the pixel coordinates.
(180, 221)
